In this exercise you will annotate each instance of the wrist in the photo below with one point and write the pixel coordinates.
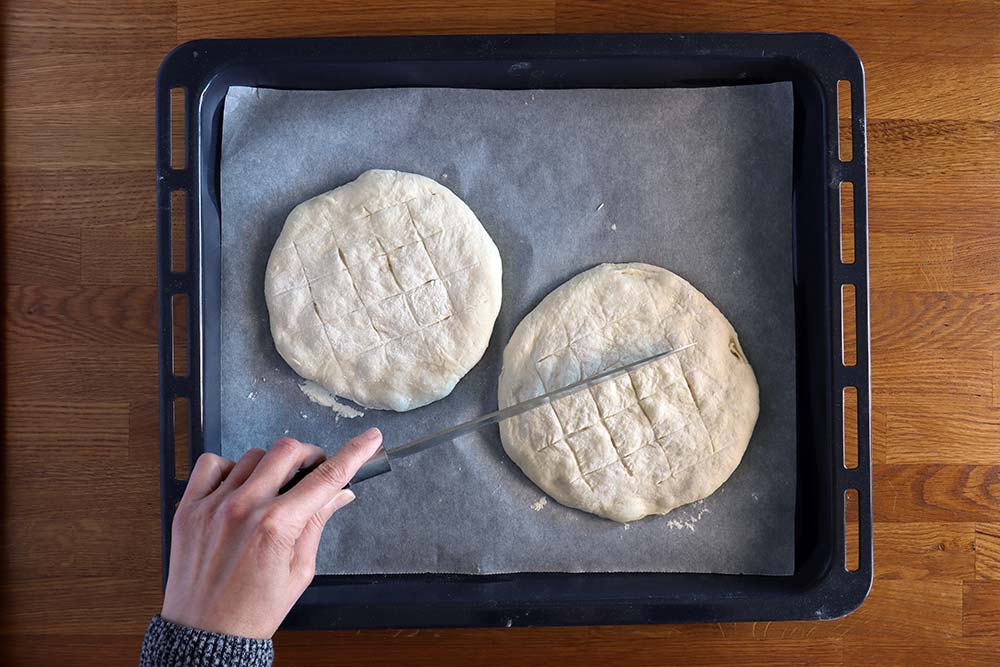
(219, 623)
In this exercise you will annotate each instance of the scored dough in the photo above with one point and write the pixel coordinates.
(664, 435)
(384, 290)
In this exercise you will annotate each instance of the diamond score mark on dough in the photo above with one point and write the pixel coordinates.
(438, 277)
(694, 398)
(642, 409)
(312, 297)
(602, 421)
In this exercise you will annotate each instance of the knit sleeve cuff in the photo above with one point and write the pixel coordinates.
(167, 644)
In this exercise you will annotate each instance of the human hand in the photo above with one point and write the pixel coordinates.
(241, 554)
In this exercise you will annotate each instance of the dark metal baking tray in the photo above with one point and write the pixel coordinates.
(821, 586)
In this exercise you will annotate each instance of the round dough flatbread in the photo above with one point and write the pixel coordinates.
(662, 436)
(384, 290)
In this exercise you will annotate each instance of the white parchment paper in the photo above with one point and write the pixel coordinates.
(694, 180)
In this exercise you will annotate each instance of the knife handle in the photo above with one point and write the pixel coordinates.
(376, 465)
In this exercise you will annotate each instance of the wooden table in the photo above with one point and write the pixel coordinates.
(81, 550)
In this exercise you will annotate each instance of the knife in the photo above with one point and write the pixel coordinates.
(379, 462)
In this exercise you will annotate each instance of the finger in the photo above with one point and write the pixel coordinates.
(304, 555)
(284, 458)
(242, 469)
(320, 486)
(209, 471)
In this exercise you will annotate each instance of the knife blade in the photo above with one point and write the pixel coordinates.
(380, 462)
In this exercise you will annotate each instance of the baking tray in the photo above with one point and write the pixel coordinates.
(821, 586)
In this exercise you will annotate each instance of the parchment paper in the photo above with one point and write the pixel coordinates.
(694, 180)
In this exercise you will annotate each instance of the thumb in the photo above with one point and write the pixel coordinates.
(342, 499)
(304, 553)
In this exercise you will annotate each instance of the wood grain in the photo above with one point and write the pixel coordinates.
(125, 488)
(531, 648)
(977, 260)
(969, 434)
(945, 320)
(112, 374)
(135, 598)
(95, 427)
(80, 526)
(929, 205)
(86, 134)
(880, 434)
(981, 609)
(894, 652)
(929, 148)
(931, 89)
(102, 74)
(274, 18)
(888, 31)
(926, 551)
(63, 198)
(924, 262)
(938, 492)
(913, 377)
(84, 315)
(115, 253)
(89, 26)
(988, 551)
(90, 650)
(996, 378)
(144, 431)
(44, 254)
(113, 547)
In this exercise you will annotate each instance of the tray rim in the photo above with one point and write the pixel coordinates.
(198, 65)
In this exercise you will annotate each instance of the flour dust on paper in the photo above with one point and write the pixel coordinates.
(321, 396)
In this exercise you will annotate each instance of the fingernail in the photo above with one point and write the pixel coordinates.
(345, 497)
(371, 435)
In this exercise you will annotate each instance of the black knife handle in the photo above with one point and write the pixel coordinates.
(376, 465)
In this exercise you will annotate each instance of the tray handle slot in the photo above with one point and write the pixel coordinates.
(852, 531)
(844, 115)
(182, 432)
(850, 431)
(847, 222)
(848, 325)
(178, 128)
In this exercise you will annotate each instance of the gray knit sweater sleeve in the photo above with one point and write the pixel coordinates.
(170, 645)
